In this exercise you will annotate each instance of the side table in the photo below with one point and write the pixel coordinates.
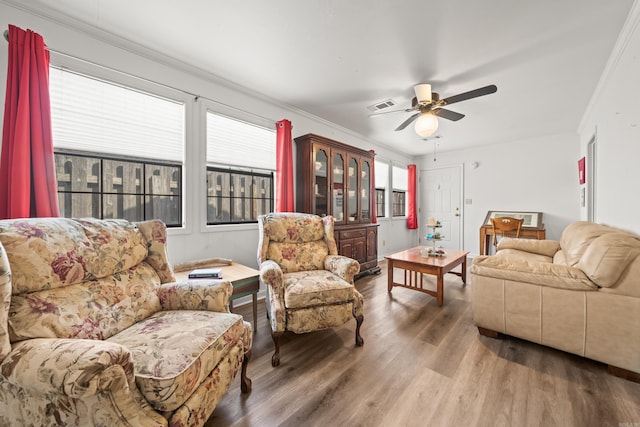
(245, 280)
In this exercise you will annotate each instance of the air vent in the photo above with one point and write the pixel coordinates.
(382, 105)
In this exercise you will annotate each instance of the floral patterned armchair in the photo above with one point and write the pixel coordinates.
(309, 286)
(95, 331)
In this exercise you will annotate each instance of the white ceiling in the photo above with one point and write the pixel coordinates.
(334, 58)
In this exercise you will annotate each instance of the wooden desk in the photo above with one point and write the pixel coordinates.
(245, 280)
(415, 265)
(525, 232)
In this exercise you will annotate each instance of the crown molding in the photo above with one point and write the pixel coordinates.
(122, 43)
(628, 30)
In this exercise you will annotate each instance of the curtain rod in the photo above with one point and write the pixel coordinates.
(196, 97)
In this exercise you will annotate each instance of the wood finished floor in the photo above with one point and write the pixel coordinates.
(421, 365)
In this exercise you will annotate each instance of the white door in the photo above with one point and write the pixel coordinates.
(441, 191)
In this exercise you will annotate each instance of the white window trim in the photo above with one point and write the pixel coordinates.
(206, 105)
(105, 73)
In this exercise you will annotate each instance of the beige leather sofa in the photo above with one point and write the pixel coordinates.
(580, 294)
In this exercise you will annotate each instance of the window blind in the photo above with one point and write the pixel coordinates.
(94, 115)
(399, 178)
(236, 143)
(382, 174)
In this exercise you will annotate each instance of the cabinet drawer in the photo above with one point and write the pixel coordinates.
(351, 234)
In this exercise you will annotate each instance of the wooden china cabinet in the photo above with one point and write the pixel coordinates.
(335, 179)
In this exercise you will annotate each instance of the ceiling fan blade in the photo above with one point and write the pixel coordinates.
(380, 113)
(448, 114)
(408, 121)
(471, 94)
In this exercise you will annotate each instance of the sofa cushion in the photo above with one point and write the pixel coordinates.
(294, 257)
(174, 351)
(577, 237)
(522, 255)
(537, 273)
(608, 256)
(298, 228)
(47, 253)
(97, 309)
(315, 287)
(547, 248)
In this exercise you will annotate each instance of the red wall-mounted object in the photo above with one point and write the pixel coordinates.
(581, 171)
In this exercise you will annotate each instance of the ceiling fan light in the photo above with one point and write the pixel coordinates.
(426, 124)
(423, 93)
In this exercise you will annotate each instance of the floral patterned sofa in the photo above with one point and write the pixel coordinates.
(95, 331)
(309, 286)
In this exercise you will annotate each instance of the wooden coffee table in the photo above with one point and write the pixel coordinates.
(245, 280)
(415, 265)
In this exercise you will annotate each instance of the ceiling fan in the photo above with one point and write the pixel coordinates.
(427, 105)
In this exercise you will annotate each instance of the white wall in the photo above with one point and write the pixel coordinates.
(195, 241)
(540, 175)
(537, 175)
(614, 117)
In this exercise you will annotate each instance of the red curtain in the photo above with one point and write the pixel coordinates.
(374, 217)
(27, 170)
(284, 167)
(412, 215)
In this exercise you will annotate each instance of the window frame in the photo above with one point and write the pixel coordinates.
(402, 194)
(397, 191)
(102, 194)
(254, 173)
(208, 106)
(91, 70)
(383, 201)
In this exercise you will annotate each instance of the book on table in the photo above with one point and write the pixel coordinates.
(206, 273)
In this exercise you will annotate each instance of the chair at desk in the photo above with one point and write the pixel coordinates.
(506, 227)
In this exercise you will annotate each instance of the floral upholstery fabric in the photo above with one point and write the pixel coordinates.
(155, 233)
(199, 294)
(174, 351)
(309, 286)
(91, 318)
(293, 229)
(96, 309)
(316, 287)
(46, 253)
(321, 317)
(5, 301)
(71, 382)
(292, 257)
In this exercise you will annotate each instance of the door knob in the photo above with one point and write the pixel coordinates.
(457, 212)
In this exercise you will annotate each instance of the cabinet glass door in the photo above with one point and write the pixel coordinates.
(352, 188)
(338, 188)
(321, 185)
(365, 191)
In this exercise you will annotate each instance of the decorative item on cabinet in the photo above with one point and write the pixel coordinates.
(335, 179)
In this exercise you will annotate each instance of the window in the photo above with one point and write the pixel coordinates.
(102, 187)
(240, 170)
(236, 196)
(382, 182)
(399, 203)
(400, 181)
(118, 150)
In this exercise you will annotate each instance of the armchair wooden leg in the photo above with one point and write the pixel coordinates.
(245, 382)
(359, 340)
(275, 359)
